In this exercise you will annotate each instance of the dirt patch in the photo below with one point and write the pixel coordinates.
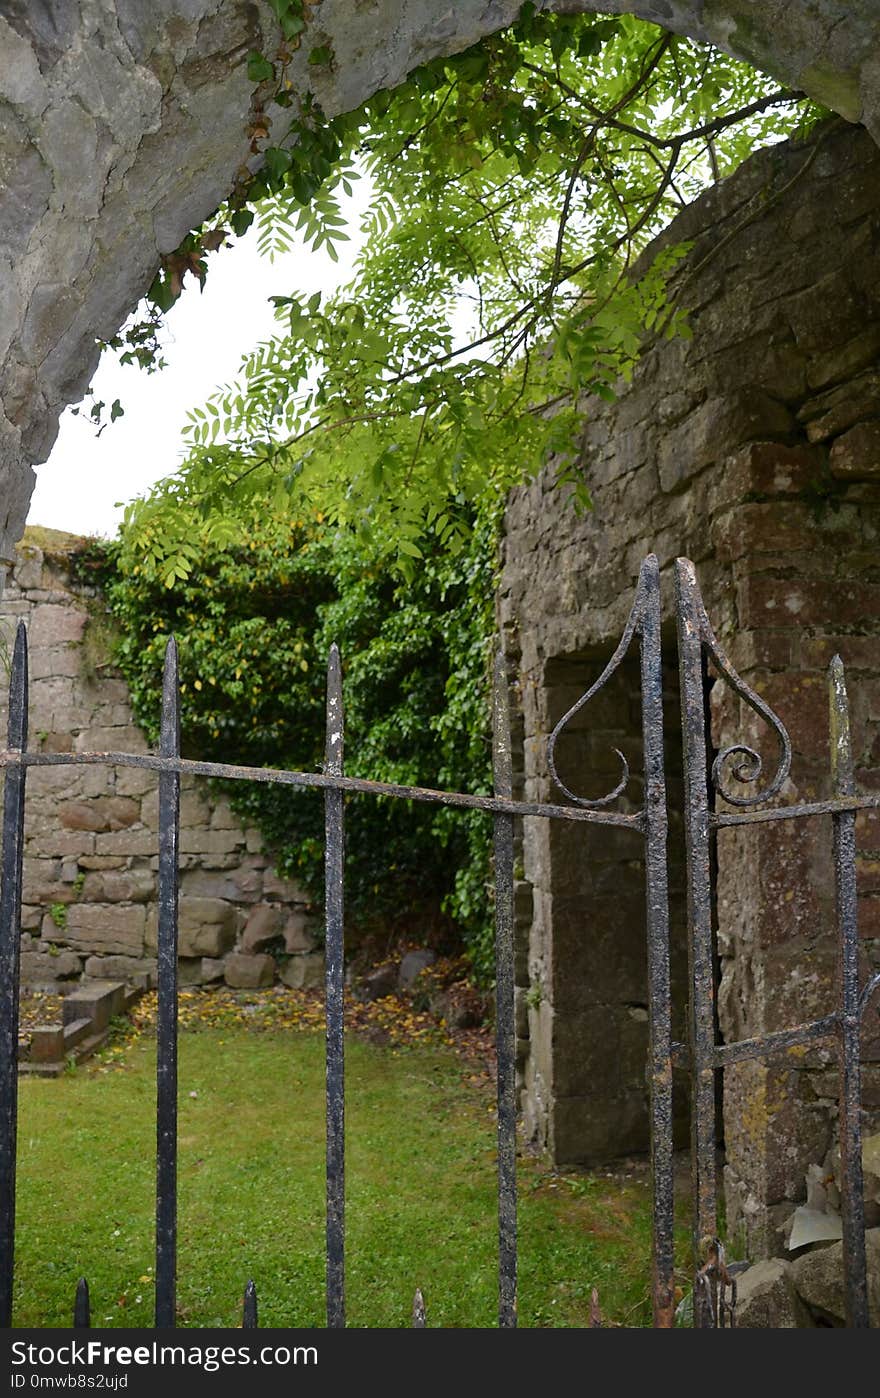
(392, 1021)
(36, 1008)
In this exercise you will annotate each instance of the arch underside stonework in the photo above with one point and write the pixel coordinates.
(122, 126)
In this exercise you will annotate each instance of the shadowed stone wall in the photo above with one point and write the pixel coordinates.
(91, 833)
(754, 449)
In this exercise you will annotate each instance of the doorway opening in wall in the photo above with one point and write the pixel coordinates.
(582, 934)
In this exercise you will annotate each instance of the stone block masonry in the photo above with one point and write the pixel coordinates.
(754, 449)
(91, 833)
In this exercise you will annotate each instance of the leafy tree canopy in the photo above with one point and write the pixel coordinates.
(513, 187)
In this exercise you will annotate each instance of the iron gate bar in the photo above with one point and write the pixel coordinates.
(699, 925)
(10, 938)
(657, 920)
(852, 1207)
(873, 984)
(357, 785)
(419, 1321)
(82, 1318)
(334, 904)
(166, 1026)
(644, 621)
(779, 1042)
(505, 1023)
(810, 808)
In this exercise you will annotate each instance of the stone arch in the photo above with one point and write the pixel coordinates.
(122, 126)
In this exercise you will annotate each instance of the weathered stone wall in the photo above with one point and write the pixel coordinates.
(91, 832)
(754, 449)
(122, 127)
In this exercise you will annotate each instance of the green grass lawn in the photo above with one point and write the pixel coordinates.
(420, 1194)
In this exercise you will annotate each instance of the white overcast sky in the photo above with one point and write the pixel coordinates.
(206, 336)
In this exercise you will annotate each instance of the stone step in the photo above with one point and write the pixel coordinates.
(97, 1001)
(82, 1050)
(52, 1042)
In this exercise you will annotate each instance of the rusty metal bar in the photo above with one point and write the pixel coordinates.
(657, 907)
(768, 1044)
(334, 856)
(867, 993)
(852, 1206)
(82, 1318)
(166, 1028)
(835, 806)
(249, 1308)
(419, 1320)
(10, 943)
(320, 780)
(699, 920)
(505, 1023)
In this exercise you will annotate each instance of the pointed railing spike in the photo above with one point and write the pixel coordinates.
(418, 1313)
(166, 1052)
(249, 1307)
(594, 1320)
(81, 1306)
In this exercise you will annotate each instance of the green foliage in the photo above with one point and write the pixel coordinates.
(513, 186)
(58, 914)
(254, 625)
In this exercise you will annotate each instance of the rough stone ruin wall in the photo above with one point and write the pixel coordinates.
(754, 449)
(91, 832)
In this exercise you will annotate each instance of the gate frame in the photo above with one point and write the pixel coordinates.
(714, 1290)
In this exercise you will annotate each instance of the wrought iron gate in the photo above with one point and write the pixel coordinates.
(714, 1293)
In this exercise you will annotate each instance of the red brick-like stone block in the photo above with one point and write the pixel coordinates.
(263, 926)
(771, 1128)
(775, 885)
(764, 601)
(735, 417)
(106, 929)
(801, 701)
(56, 626)
(102, 813)
(869, 914)
(856, 455)
(856, 652)
(773, 527)
(767, 468)
(249, 972)
(765, 650)
(841, 407)
(206, 927)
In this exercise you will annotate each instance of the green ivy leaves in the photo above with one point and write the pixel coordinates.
(254, 618)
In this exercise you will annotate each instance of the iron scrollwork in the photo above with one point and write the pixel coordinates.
(746, 764)
(648, 578)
